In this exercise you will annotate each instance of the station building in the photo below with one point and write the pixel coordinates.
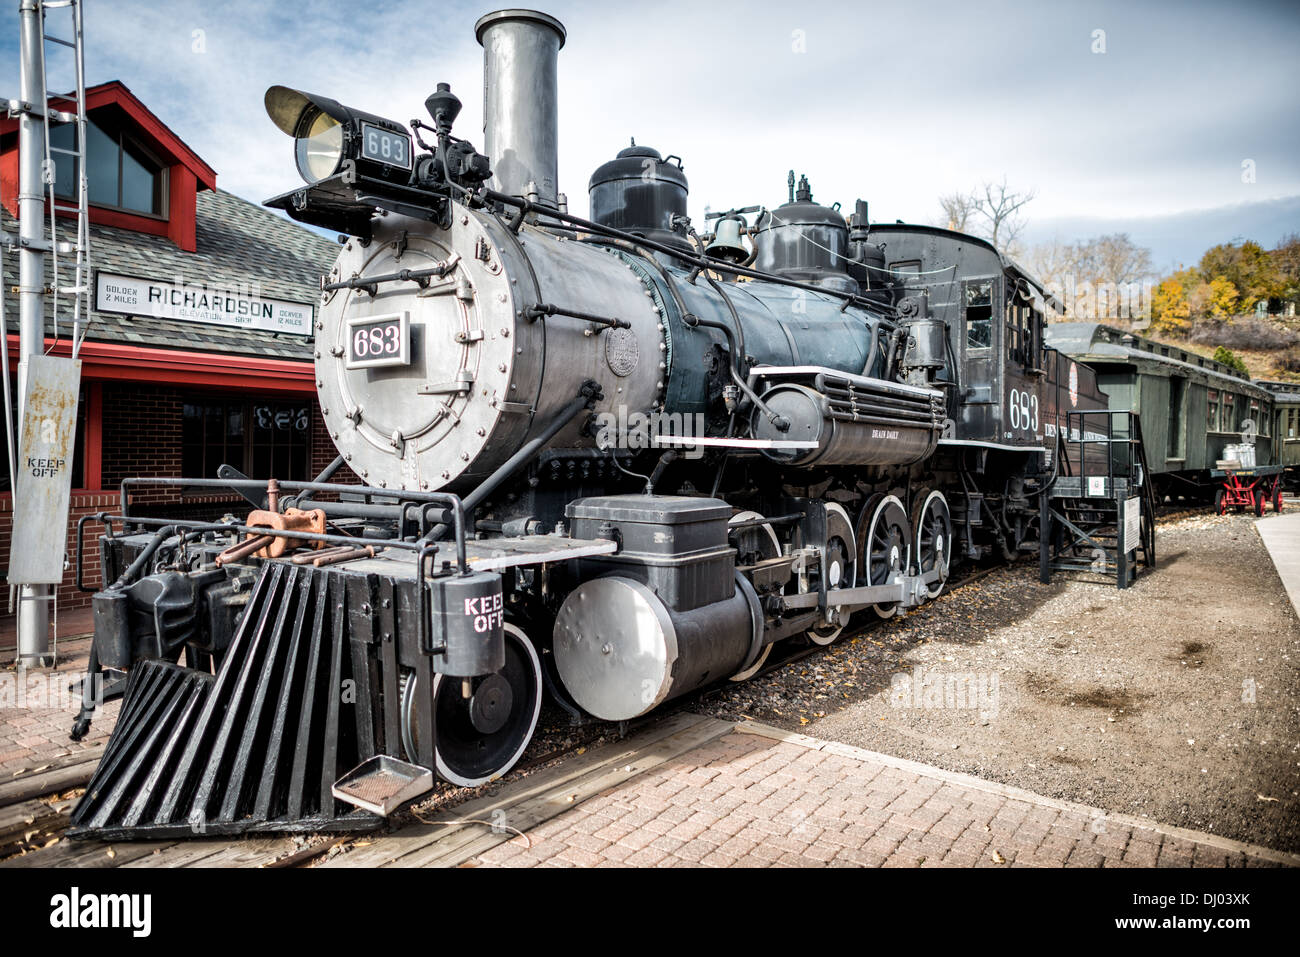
(198, 346)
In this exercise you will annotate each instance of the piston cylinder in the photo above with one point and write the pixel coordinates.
(620, 651)
(857, 431)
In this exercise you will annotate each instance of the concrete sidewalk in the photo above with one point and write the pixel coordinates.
(1281, 536)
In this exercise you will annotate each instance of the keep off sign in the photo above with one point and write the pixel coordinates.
(44, 471)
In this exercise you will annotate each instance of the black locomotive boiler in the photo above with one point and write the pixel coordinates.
(611, 460)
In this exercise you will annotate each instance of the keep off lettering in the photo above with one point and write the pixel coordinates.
(488, 612)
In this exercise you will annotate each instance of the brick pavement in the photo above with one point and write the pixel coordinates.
(758, 797)
(32, 735)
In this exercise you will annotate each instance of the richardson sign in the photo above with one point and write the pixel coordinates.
(238, 305)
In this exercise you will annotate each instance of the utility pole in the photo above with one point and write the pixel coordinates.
(33, 600)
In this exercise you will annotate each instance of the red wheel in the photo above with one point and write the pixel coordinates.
(1277, 497)
(1261, 499)
(1220, 503)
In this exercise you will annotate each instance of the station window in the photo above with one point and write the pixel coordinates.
(120, 173)
(979, 313)
(263, 439)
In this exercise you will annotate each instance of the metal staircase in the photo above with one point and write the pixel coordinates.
(1097, 516)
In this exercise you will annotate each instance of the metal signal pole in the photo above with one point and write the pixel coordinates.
(33, 600)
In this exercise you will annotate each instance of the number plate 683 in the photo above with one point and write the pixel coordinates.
(379, 341)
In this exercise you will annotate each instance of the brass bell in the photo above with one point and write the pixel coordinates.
(726, 243)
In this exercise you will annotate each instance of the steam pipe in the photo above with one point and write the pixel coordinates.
(590, 392)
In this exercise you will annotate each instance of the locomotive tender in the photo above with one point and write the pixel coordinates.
(609, 459)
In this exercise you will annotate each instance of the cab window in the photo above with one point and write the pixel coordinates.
(978, 306)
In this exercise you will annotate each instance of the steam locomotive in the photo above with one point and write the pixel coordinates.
(611, 460)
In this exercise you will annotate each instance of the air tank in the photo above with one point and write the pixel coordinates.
(805, 241)
(639, 191)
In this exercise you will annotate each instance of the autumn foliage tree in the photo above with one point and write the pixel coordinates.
(1247, 267)
(1170, 310)
(1230, 279)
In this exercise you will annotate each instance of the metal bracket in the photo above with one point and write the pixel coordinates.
(462, 384)
(514, 408)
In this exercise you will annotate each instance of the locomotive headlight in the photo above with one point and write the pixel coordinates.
(327, 134)
(319, 145)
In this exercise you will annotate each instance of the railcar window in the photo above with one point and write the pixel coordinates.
(979, 314)
(1015, 335)
(1229, 421)
(1212, 412)
(1177, 398)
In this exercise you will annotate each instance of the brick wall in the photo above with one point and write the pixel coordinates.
(323, 451)
(142, 437)
(83, 503)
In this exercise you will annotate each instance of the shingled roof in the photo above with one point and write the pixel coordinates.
(238, 242)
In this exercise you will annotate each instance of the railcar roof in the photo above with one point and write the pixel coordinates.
(1284, 393)
(1096, 341)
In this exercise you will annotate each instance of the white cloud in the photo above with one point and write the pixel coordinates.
(896, 103)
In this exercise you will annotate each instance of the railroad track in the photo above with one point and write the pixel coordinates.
(34, 805)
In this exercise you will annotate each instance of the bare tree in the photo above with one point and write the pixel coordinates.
(1000, 206)
(957, 209)
(1094, 278)
(1115, 258)
(1054, 262)
(991, 211)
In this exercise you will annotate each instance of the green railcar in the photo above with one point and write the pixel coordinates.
(1286, 426)
(1192, 408)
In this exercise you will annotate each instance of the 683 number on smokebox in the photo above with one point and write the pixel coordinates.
(379, 341)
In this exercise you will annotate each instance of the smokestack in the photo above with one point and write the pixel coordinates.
(520, 50)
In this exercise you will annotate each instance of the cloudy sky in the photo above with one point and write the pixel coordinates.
(894, 102)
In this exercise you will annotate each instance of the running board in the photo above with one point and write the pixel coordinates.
(255, 748)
